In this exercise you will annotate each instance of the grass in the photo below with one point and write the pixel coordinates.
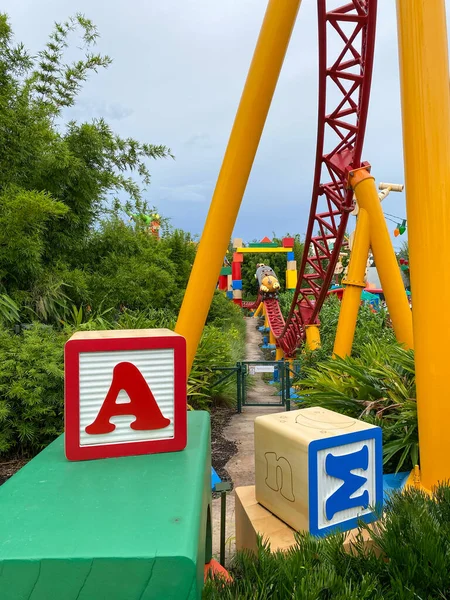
(409, 560)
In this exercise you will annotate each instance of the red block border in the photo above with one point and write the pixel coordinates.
(72, 350)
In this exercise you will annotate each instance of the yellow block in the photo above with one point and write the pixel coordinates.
(262, 250)
(291, 280)
(293, 465)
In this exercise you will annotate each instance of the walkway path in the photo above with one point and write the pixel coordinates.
(241, 467)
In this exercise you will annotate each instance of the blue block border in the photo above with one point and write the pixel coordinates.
(331, 442)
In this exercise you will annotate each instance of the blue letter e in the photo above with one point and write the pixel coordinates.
(341, 467)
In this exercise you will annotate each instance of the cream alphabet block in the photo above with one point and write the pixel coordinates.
(318, 470)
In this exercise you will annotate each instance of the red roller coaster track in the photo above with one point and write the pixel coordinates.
(345, 74)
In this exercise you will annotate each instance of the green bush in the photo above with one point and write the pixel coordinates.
(222, 344)
(225, 314)
(31, 389)
(377, 386)
(32, 374)
(410, 560)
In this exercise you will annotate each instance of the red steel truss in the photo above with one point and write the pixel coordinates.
(345, 73)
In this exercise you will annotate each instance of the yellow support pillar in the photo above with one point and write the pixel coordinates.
(354, 283)
(272, 339)
(312, 337)
(266, 320)
(259, 310)
(237, 163)
(388, 270)
(279, 354)
(424, 68)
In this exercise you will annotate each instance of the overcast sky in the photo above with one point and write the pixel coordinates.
(178, 72)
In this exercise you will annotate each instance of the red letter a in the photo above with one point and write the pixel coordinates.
(142, 405)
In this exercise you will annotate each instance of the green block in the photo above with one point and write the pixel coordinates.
(264, 245)
(134, 528)
(225, 271)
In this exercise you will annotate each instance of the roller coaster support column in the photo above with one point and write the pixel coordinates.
(354, 283)
(279, 354)
(237, 163)
(391, 280)
(312, 337)
(272, 340)
(259, 311)
(424, 68)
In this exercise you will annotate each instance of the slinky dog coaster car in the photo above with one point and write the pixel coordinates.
(267, 281)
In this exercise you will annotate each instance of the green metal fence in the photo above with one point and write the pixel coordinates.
(282, 375)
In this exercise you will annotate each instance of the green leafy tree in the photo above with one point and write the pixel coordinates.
(56, 179)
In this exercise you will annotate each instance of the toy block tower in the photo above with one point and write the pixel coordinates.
(236, 273)
(291, 266)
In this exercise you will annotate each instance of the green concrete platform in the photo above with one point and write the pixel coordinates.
(135, 528)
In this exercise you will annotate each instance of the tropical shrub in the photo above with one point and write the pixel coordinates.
(224, 314)
(58, 178)
(377, 386)
(409, 560)
(222, 345)
(31, 389)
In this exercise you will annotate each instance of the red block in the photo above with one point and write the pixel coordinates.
(288, 242)
(125, 393)
(238, 257)
(236, 271)
(238, 301)
(223, 282)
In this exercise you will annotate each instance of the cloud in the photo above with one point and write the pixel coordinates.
(186, 193)
(199, 140)
(89, 108)
(179, 67)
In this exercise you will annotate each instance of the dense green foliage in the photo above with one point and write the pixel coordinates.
(70, 258)
(409, 560)
(377, 386)
(32, 375)
(57, 180)
(31, 389)
(370, 326)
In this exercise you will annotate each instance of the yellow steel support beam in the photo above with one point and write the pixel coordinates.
(279, 354)
(237, 163)
(388, 270)
(423, 52)
(259, 311)
(272, 339)
(266, 320)
(354, 283)
(312, 337)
